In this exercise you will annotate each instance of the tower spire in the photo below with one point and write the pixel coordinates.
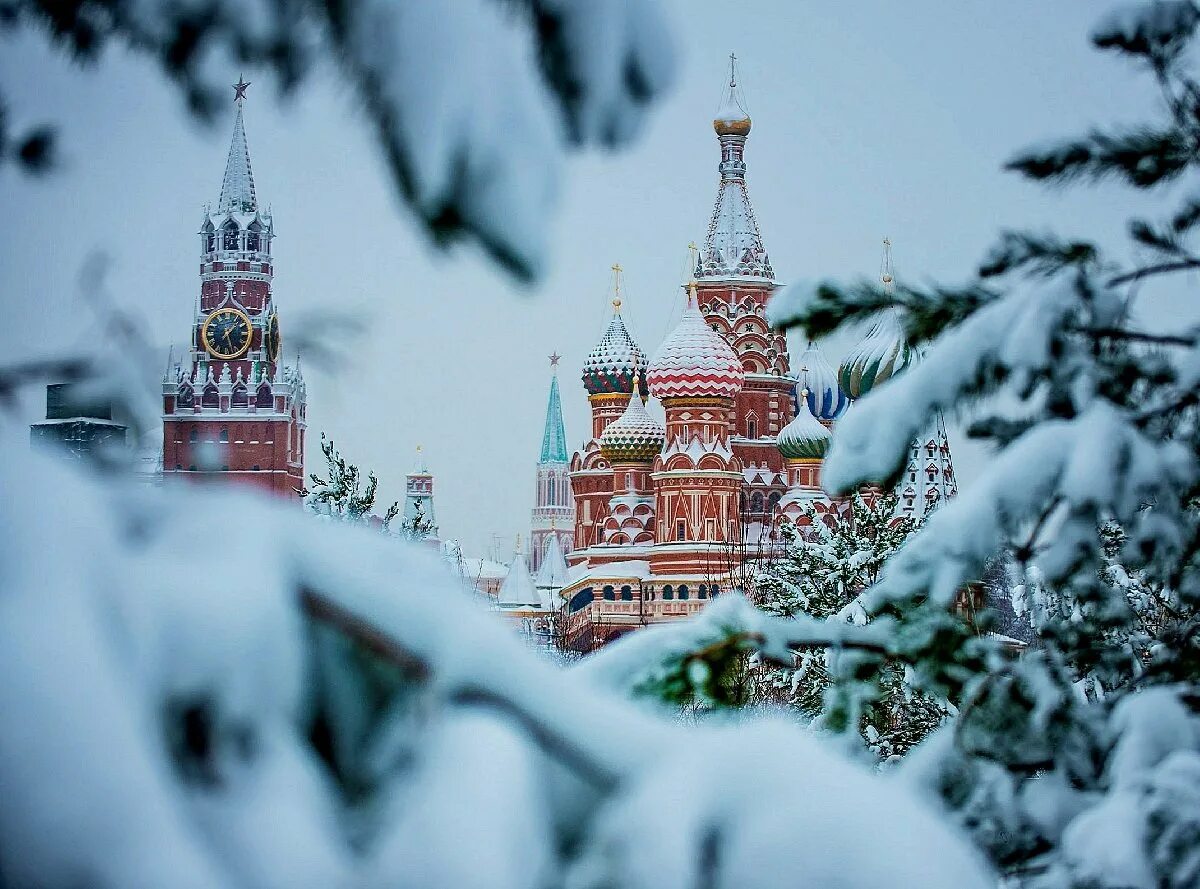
(237, 188)
(733, 245)
(554, 436)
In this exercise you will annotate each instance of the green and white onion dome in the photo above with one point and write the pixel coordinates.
(880, 356)
(608, 368)
(819, 379)
(634, 437)
(805, 438)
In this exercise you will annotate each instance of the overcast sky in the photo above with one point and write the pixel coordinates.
(870, 119)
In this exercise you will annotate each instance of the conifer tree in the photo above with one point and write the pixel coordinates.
(1091, 489)
(342, 496)
(821, 573)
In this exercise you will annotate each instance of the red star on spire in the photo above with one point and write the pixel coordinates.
(554, 357)
(239, 89)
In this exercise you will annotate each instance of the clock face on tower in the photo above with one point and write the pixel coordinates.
(226, 333)
(272, 338)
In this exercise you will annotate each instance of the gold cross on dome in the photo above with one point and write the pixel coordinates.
(616, 270)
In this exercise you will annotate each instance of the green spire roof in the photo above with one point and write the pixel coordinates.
(554, 439)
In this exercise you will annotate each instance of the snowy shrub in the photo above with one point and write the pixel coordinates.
(312, 704)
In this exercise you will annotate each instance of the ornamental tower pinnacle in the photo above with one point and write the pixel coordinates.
(734, 280)
(232, 410)
(554, 508)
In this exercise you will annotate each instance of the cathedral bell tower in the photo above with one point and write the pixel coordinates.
(232, 411)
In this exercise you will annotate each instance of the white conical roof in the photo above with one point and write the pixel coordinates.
(518, 590)
(552, 574)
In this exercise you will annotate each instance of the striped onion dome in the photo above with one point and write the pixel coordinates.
(634, 437)
(608, 368)
(805, 438)
(694, 360)
(881, 355)
(825, 397)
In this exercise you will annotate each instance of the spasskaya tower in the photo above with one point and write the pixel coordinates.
(234, 411)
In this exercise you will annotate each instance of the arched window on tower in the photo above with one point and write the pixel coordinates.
(627, 593)
(253, 236)
(240, 397)
(211, 398)
(229, 236)
(668, 592)
(752, 428)
(210, 237)
(609, 593)
(773, 501)
(756, 502)
(263, 399)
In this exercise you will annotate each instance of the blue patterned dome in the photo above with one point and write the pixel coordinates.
(608, 368)
(805, 438)
(825, 397)
(880, 356)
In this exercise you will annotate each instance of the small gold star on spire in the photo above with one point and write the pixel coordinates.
(554, 358)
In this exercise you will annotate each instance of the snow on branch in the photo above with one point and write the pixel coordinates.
(293, 703)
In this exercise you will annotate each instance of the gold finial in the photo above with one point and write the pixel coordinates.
(518, 542)
(420, 448)
(616, 270)
(695, 251)
(732, 71)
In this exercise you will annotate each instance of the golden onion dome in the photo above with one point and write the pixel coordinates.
(732, 119)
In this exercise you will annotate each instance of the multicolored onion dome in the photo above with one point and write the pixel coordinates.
(634, 437)
(608, 368)
(805, 438)
(694, 361)
(881, 355)
(825, 397)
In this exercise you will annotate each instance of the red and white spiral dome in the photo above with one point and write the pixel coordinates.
(694, 361)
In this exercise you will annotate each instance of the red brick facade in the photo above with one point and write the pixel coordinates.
(238, 417)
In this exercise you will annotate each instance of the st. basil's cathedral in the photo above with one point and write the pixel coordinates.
(664, 515)
(646, 521)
